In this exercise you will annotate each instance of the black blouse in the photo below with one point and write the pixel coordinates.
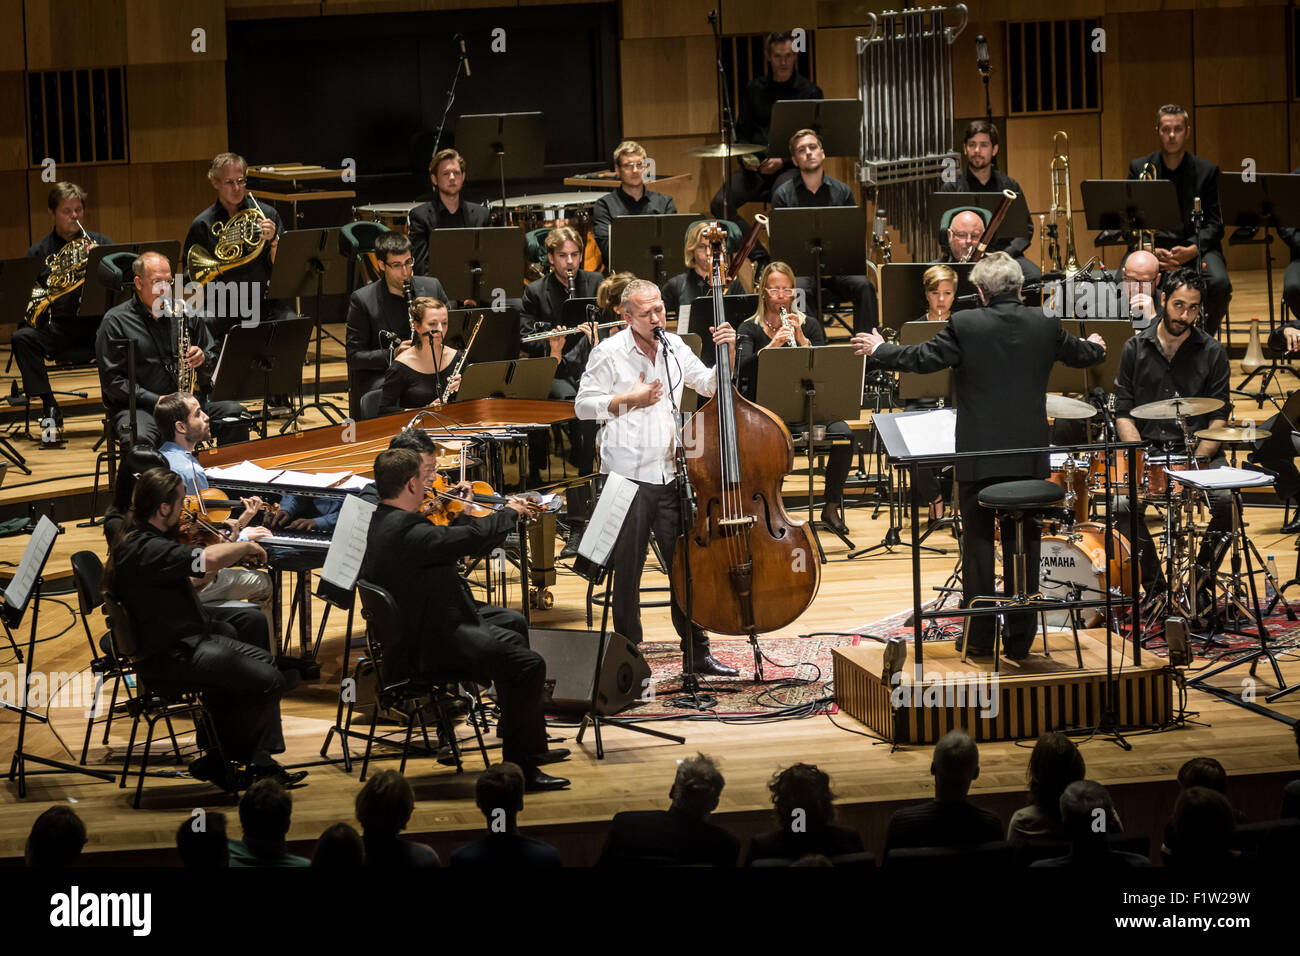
(750, 338)
(405, 388)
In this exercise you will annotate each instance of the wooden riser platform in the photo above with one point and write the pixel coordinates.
(1044, 693)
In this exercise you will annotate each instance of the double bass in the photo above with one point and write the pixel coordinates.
(756, 567)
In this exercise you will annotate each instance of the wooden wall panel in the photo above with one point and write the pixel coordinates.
(108, 205)
(1294, 110)
(644, 19)
(1030, 162)
(837, 62)
(763, 16)
(15, 230)
(13, 50)
(1057, 10)
(668, 87)
(188, 119)
(271, 9)
(671, 158)
(62, 34)
(165, 198)
(968, 85)
(13, 120)
(161, 30)
(1240, 55)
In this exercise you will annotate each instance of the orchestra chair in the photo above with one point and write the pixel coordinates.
(369, 404)
(160, 700)
(88, 574)
(1019, 501)
(982, 857)
(357, 244)
(535, 250)
(383, 631)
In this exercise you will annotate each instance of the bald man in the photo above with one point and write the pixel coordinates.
(963, 235)
(145, 321)
(1140, 277)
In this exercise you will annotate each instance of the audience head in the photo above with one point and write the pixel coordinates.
(997, 274)
(499, 793)
(56, 839)
(956, 764)
(384, 804)
(340, 847)
(202, 842)
(265, 810)
(1087, 814)
(1203, 772)
(697, 786)
(1054, 764)
(802, 791)
(1202, 828)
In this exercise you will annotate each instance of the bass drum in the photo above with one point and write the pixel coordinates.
(1074, 564)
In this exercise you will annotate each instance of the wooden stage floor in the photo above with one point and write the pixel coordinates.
(869, 778)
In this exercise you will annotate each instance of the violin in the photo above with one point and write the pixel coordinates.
(442, 505)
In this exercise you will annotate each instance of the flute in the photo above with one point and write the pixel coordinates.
(539, 336)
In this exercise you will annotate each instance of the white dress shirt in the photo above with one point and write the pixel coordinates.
(639, 443)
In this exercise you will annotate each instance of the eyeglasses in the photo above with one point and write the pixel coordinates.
(235, 182)
(634, 165)
(404, 264)
(966, 236)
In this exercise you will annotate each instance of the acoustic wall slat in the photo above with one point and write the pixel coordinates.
(189, 122)
(63, 34)
(165, 198)
(1240, 57)
(162, 31)
(15, 230)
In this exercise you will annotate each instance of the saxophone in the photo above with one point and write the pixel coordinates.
(67, 273)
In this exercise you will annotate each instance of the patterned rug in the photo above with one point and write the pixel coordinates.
(796, 671)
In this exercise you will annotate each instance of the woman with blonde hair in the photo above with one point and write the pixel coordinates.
(697, 281)
(419, 375)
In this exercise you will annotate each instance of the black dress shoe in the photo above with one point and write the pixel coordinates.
(570, 549)
(554, 756)
(285, 778)
(836, 524)
(535, 780)
(710, 666)
(1292, 526)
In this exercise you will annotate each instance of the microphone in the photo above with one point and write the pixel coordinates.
(463, 55)
(982, 55)
(1099, 396)
(662, 336)
(878, 227)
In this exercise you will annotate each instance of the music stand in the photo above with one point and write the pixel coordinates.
(497, 339)
(261, 361)
(24, 591)
(828, 240)
(309, 261)
(649, 246)
(593, 564)
(528, 379)
(472, 261)
(1016, 224)
(917, 385)
(904, 293)
(735, 309)
(574, 312)
(810, 385)
(837, 122)
(1130, 206)
(514, 144)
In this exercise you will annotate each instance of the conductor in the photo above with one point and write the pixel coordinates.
(1001, 356)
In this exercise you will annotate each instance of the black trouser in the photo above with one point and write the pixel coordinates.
(147, 432)
(839, 457)
(1291, 289)
(930, 483)
(1277, 453)
(495, 649)
(858, 289)
(70, 339)
(655, 508)
(234, 672)
(747, 185)
(978, 571)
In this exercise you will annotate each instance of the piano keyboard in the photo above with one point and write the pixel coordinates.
(320, 541)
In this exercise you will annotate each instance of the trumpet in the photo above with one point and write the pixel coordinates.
(1147, 237)
(541, 336)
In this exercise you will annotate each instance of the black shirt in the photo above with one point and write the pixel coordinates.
(1199, 369)
(785, 844)
(968, 182)
(372, 309)
(794, 193)
(64, 307)
(1194, 177)
(641, 837)
(750, 338)
(1290, 235)
(404, 388)
(755, 118)
(946, 823)
(617, 203)
(155, 353)
(685, 287)
(151, 578)
(434, 215)
(200, 234)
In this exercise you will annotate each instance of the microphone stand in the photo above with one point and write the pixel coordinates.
(725, 117)
(451, 98)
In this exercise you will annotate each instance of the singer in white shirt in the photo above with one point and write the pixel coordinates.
(635, 393)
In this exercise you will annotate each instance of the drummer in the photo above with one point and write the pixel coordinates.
(1174, 358)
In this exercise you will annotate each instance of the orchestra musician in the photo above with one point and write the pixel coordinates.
(65, 336)
(695, 283)
(379, 314)
(228, 175)
(1277, 452)
(934, 483)
(980, 147)
(809, 188)
(222, 652)
(964, 231)
(1291, 278)
(623, 388)
(144, 321)
(760, 174)
(766, 329)
(1172, 358)
(1140, 277)
(421, 374)
(1001, 356)
(443, 629)
(1193, 178)
(446, 210)
(630, 197)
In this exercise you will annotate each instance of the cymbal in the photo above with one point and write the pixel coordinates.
(1232, 434)
(1173, 407)
(1059, 406)
(720, 150)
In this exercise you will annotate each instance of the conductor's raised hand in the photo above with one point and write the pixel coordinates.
(864, 343)
(1097, 340)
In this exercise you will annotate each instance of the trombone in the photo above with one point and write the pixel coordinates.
(1147, 237)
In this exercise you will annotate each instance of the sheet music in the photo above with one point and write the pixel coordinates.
(683, 319)
(607, 519)
(1221, 478)
(311, 479)
(348, 546)
(34, 555)
(933, 433)
(355, 483)
(244, 471)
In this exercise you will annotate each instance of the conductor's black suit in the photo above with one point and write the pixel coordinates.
(1001, 356)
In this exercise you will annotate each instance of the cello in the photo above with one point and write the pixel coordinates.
(756, 564)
